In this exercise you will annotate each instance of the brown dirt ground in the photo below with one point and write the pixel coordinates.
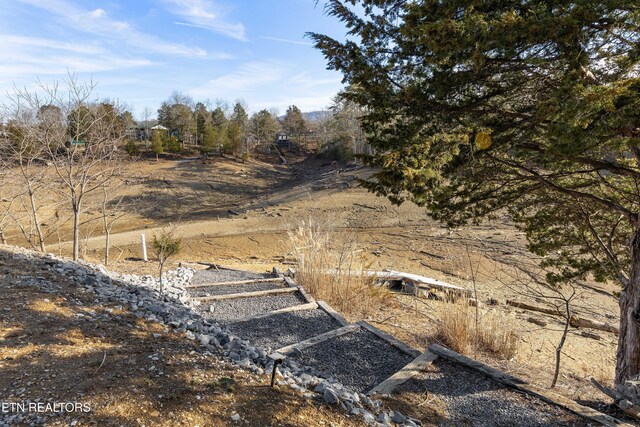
(272, 199)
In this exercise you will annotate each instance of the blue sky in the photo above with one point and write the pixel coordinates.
(139, 51)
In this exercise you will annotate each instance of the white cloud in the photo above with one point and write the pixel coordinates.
(98, 22)
(278, 39)
(304, 103)
(247, 77)
(9, 42)
(206, 15)
(265, 84)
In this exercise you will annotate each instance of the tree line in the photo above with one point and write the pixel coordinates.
(226, 128)
(60, 147)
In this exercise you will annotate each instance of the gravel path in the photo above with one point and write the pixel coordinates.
(234, 289)
(359, 359)
(211, 276)
(230, 309)
(285, 329)
(471, 399)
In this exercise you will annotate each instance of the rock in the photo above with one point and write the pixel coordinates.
(398, 418)
(384, 419)
(330, 396)
(368, 417)
(235, 417)
(204, 339)
(591, 335)
(244, 363)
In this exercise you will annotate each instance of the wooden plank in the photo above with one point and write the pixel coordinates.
(290, 282)
(306, 295)
(235, 282)
(519, 384)
(318, 339)
(427, 282)
(571, 405)
(474, 364)
(326, 307)
(301, 307)
(248, 294)
(390, 339)
(403, 375)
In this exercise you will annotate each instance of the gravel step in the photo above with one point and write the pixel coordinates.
(233, 289)
(360, 360)
(471, 399)
(284, 329)
(201, 277)
(229, 309)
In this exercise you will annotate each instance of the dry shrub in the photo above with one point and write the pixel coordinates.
(455, 327)
(495, 333)
(333, 268)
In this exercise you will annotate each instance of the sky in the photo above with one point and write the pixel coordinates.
(140, 51)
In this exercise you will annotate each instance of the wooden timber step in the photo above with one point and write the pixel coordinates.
(231, 308)
(248, 294)
(404, 374)
(235, 282)
(352, 355)
(234, 289)
(301, 307)
(318, 339)
(518, 384)
(390, 339)
(288, 326)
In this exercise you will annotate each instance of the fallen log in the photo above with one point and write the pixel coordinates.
(530, 307)
(619, 399)
(537, 321)
(579, 322)
(575, 321)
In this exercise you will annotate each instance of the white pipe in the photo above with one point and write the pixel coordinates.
(144, 248)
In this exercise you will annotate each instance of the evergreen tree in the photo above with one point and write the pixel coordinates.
(264, 126)
(293, 123)
(532, 106)
(157, 145)
(202, 115)
(237, 129)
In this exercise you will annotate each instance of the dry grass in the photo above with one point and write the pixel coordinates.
(333, 268)
(456, 326)
(494, 333)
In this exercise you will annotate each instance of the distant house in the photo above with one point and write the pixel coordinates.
(160, 128)
(282, 141)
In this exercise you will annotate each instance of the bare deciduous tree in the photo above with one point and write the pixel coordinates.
(74, 135)
(166, 245)
(560, 298)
